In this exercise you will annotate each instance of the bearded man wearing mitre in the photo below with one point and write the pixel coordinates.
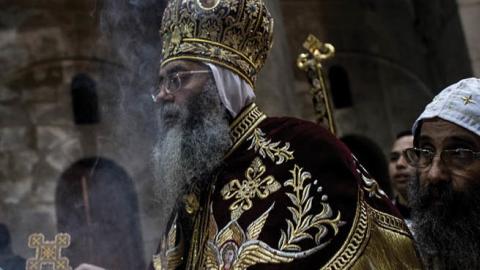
(247, 191)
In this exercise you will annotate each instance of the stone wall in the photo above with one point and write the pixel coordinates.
(43, 46)
(470, 15)
(397, 55)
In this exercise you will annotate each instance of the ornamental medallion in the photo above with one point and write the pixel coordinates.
(208, 4)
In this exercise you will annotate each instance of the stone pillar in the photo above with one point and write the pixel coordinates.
(470, 17)
(275, 87)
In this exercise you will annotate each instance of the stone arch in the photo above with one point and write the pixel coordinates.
(96, 203)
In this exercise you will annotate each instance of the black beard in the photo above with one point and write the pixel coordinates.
(191, 145)
(446, 224)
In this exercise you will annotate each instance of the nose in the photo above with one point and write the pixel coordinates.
(437, 172)
(401, 162)
(162, 95)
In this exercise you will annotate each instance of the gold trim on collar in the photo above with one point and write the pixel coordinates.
(244, 124)
(366, 225)
(390, 222)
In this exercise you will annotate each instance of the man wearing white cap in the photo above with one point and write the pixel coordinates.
(445, 194)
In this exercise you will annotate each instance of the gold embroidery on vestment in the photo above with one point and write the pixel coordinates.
(356, 240)
(255, 185)
(191, 203)
(303, 220)
(390, 222)
(244, 124)
(265, 147)
(369, 184)
(366, 230)
(233, 248)
(170, 256)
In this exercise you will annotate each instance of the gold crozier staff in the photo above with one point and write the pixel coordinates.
(311, 63)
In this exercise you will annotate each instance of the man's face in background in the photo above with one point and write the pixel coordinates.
(400, 172)
(445, 197)
(438, 135)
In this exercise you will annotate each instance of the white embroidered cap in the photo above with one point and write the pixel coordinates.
(459, 103)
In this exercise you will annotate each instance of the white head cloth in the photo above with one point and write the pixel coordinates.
(459, 103)
(235, 93)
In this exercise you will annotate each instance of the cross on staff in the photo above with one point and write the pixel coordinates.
(311, 63)
(48, 253)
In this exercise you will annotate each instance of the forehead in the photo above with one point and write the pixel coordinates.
(440, 131)
(180, 65)
(402, 143)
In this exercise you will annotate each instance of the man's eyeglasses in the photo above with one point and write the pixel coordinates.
(173, 81)
(456, 158)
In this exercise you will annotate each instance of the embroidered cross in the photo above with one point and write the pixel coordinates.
(253, 186)
(468, 100)
(48, 253)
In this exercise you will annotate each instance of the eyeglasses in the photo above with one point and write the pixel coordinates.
(455, 158)
(173, 82)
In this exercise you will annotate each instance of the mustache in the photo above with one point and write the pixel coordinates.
(166, 108)
(439, 192)
(169, 113)
(441, 198)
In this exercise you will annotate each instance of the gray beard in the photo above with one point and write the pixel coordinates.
(192, 142)
(447, 233)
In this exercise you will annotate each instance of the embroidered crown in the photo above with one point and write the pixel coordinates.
(236, 34)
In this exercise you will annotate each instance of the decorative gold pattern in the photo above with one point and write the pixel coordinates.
(191, 203)
(157, 262)
(244, 124)
(271, 149)
(255, 185)
(311, 63)
(355, 242)
(208, 4)
(468, 100)
(170, 256)
(361, 249)
(236, 34)
(370, 185)
(48, 253)
(390, 222)
(302, 220)
(233, 248)
(199, 236)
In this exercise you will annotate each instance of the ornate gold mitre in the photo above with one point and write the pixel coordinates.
(236, 34)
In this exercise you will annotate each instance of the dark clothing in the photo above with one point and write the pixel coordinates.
(12, 262)
(403, 209)
(289, 196)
